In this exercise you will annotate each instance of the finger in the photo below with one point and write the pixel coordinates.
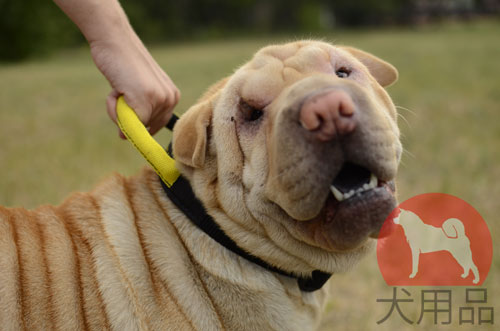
(174, 97)
(164, 109)
(111, 104)
(154, 129)
(121, 135)
(111, 109)
(159, 122)
(177, 95)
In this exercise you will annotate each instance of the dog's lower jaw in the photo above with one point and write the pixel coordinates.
(345, 226)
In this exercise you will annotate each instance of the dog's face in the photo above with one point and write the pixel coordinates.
(300, 146)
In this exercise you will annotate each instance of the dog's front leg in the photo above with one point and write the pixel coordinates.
(415, 254)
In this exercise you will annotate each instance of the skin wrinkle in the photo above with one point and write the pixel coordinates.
(300, 71)
(240, 175)
(285, 66)
(288, 252)
(295, 237)
(22, 305)
(149, 263)
(47, 273)
(286, 228)
(239, 144)
(88, 253)
(270, 237)
(255, 219)
(294, 164)
(107, 325)
(179, 307)
(140, 235)
(223, 211)
(192, 260)
(302, 157)
(78, 274)
(129, 288)
(294, 185)
(303, 195)
(236, 221)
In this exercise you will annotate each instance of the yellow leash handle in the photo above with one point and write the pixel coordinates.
(139, 136)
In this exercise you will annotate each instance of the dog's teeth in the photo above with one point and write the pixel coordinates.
(337, 194)
(344, 196)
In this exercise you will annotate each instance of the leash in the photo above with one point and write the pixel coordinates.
(179, 191)
(139, 136)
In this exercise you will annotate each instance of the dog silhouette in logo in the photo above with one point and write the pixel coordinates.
(425, 238)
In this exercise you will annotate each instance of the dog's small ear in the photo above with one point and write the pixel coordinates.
(191, 130)
(190, 135)
(383, 72)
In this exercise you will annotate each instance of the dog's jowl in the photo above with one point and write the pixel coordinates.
(293, 157)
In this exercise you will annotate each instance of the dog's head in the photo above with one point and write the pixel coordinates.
(300, 148)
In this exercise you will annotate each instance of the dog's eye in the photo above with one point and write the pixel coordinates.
(343, 72)
(250, 113)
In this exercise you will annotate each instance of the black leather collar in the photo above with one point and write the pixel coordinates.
(183, 197)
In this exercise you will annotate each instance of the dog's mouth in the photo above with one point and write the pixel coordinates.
(352, 180)
(356, 207)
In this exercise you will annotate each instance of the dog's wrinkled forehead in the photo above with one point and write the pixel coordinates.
(304, 58)
(275, 67)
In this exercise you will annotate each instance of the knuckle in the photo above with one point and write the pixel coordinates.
(151, 93)
(177, 95)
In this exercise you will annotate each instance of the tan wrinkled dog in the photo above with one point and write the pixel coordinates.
(294, 157)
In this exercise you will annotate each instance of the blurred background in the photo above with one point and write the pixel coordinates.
(32, 27)
(56, 138)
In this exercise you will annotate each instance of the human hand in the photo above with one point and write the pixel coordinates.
(133, 73)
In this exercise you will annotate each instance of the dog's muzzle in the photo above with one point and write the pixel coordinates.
(335, 159)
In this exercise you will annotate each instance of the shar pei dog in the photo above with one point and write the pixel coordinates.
(294, 158)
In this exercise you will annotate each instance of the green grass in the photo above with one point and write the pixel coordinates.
(56, 138)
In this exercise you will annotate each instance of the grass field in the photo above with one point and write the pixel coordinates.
(56, 138)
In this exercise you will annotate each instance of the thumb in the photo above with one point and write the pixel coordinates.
(111, 101)
(111, 104)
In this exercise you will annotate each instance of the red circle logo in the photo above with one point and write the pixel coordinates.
(435, 239)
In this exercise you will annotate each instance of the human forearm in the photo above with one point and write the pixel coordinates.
(98, 20)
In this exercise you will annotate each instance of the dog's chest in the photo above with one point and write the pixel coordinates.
(242, 308)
